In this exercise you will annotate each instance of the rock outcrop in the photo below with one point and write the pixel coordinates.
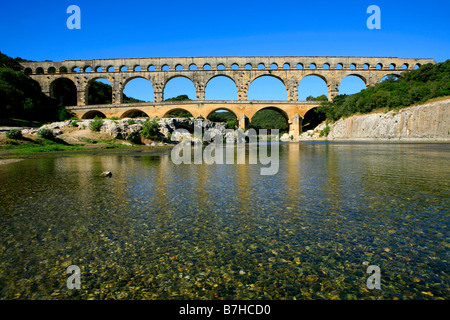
(430, 121)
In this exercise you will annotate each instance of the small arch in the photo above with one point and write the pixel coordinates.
(206, 66)
(39, 70)
(220, 66)
(392, 66)
(379, 66)
(273, 66)
(326, 66)
(110, 69)
(99, 69)
(313, 66)
(405, 66)
(352, 66)
(339, 66)
(286, 66)
(123, 69)
(28, 71)
(366, 66)
(51, 70)
(178, 67)
(417, 66)
(87, 69)
(299, 66)
(63, 69)
(192, 66)
(134, 113)
(248, 66)
(151, 68)
(235, 66)
(261, 66)
(137, 68)
(75, 69)
(92, 114)
(165, 68)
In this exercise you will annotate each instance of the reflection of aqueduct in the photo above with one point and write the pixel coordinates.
(200, 70)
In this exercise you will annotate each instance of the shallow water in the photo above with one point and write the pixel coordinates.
(155, 230)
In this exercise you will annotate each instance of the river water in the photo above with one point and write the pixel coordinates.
(156, 230)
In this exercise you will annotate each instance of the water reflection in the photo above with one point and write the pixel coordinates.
(156, 230)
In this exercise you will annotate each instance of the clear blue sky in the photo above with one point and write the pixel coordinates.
(36, 30)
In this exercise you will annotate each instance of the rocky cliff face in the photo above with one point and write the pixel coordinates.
(430, 121)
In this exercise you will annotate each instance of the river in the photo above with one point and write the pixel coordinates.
(156, 230)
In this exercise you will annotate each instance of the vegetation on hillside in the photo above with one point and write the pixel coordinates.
(413, 87)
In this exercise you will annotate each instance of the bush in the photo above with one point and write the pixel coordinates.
(150, 129)
(130, 122)
(15, 134)
(96, 124)
(46, 134)
(134, 137)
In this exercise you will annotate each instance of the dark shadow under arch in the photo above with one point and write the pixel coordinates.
(64, 91)
(134, 113)
(92, 114)
(270, 118)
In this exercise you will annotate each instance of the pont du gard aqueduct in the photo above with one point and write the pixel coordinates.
(200, 70)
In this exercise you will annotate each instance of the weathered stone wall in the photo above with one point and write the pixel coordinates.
(430, 121)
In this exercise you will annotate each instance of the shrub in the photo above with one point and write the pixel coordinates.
(325, 132)
(134, 137)
(150, 129)
(96, 124)
(15, 134)
(114, 118)
(46, 134)
(131, 121)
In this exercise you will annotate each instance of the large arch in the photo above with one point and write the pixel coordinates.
(179, 85)
(226, 115)
(138, 89)
(352, 84)
(99, 91)
(92, 114)
(267, 87)
(312, 85)
(221, 87)
(177, 112)
(270, 118)
(64, 91)
(132, 114)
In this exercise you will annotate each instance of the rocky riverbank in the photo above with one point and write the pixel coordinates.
(427, 122)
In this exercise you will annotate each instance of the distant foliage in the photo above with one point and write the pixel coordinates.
(414, 87)
(96, 124)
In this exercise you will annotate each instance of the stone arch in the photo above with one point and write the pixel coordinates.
(150, 85)
(222, 108)
(92, 114)
(39, 70)
(128, 113)
(51, 70)
(312, 119)
(90, 100)
(267, 76)
(349, 84)
(28, 71)
(254, 121)
(64, 90)
(168, 80)
(314, 81)
(395, 74)
(217, 76)
(192, 66)
(168, 112)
